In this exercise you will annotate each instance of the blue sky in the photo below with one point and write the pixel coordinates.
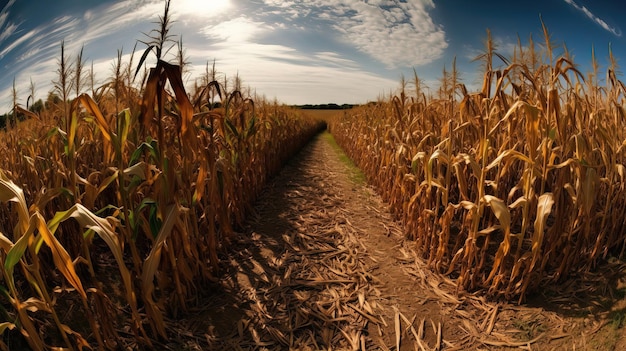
(309, 51)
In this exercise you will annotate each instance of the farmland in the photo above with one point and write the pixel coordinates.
(147, 214)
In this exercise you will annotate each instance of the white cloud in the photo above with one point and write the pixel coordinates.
(200, 8)
(614, 30)
(17, 42)
(237, 30)
(398, 34)
(39, 48)
(280, 3)
(7, 31)
(40, 72)
(116, 18)
(5, 12)
(293, 77)
(7, 27)
(333, 58)
(402, 36)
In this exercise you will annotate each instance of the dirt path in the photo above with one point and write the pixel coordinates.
(322, 265)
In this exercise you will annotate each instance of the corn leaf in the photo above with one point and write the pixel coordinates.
(61, 258)
(151, 265)
(9, 192)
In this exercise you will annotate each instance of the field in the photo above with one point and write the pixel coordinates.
(151, 215)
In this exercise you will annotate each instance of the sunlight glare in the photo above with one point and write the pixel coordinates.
(202, 8)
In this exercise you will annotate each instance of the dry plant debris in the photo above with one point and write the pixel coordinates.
(321, 265)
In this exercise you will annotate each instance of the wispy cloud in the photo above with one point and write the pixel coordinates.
(236, 34)
(293, 77)
(283, 72)
(208, 9)
(7, 31)
(4, 12)
(397, 34)
(334, 58)
(18, 42)
(237, 30)
(614, 30)
(33, 53)
(7, 27)
(291, 74)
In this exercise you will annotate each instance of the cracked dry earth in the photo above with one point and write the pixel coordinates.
(321, 265)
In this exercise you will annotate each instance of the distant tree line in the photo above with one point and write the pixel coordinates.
(11, 117)
(37, 107)
(325, 106)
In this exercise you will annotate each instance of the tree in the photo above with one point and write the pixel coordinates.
(52, 101)
(37, 106)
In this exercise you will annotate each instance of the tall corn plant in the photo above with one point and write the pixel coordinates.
(508, 188)
(30, 233)
(157, 181)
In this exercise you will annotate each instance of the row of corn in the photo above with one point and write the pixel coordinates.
(114, 205)
(510, 188)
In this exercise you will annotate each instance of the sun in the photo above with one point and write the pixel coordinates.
(202, 8)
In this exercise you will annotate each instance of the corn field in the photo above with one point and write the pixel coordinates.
(118, 201)
(125, 196)
(510, 188)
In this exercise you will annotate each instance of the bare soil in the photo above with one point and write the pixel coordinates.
(322, 265)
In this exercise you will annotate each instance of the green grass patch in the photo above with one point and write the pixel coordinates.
(356, 176)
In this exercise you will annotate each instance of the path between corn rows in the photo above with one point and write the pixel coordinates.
(322, 265)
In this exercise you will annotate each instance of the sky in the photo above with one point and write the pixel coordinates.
(300, 52)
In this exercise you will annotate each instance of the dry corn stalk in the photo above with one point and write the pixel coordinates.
(154, 182)
(508, 188)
